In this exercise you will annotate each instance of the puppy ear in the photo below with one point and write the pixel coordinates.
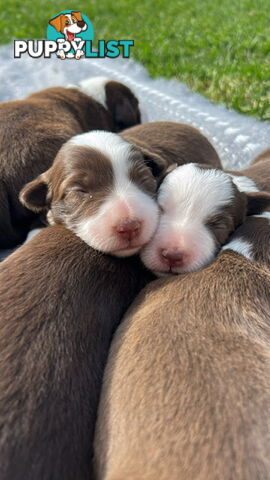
(122, 104)
(257, 202)
(78, 16)
(125, 114)
(57, 22)
(34, 194)
(155, 162)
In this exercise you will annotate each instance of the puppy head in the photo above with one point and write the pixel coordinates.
(70, 23)
(200, 208)
(120, 102)
(101, 188)
(252, 239)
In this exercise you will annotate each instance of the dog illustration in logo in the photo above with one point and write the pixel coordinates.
(69, 24)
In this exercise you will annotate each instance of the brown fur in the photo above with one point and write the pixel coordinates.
(258, 171)
(60, 302)
(174, 143)
(186, 394)
(33, 130)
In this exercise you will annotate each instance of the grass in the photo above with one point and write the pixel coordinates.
(220, 49)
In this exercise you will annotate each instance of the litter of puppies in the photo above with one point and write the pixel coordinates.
(107, 205)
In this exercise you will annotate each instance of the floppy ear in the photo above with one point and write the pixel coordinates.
(78, 16)
(125, 113)
(155, 162)
(57, 22)
(34, 194)
(257, 202)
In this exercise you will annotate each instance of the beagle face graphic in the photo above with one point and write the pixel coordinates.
(69, 24)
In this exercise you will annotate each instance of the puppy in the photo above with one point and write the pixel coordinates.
(60, 303)
(200, 208)
(186, 392)
(102, 188)
(255, 177)
(33, 130)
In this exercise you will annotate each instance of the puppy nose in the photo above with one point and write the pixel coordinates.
(172, 256)
(129, 229)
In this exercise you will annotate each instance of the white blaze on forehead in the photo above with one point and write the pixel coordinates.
(94, 87)
(115, 148)
(240, 246)
(193, 193)
(244, 184)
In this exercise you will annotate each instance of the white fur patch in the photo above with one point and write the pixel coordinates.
(94, 87)
(193, 193)
(263, 215)
(111, 144)
(244, 184)
(240, 246)
(32, 234)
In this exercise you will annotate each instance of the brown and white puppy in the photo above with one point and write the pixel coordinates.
(256, 176)
(200, 208)
(102, 188)
(186, 392)
(33, 130)
(60, 302)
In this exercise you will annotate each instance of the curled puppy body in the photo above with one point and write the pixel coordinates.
(60, 303)
(102, 189)
(256, 176)
(200, 208)
(174, 143)
(33, 130)
(186, 391)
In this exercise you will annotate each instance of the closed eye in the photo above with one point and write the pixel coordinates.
(217, 221)
(80, 190)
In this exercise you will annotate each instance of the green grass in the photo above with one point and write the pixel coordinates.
(219, 48)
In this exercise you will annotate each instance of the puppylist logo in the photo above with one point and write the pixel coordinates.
(70, 35)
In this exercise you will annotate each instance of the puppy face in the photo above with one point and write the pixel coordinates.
(200, 208)
(69, 24)
(100, 188)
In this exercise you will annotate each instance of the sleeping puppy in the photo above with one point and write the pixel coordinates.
(102, 186)
(33, 130)
(200, 208)
(60, 302)
(186, 391)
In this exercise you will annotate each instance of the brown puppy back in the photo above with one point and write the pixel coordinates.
(60, 302)
(187, 384)
(174, 142)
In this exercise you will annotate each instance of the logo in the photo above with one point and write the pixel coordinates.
(70, 35)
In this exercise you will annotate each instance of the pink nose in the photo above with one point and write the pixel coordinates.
(172, 256)
(129, 229)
